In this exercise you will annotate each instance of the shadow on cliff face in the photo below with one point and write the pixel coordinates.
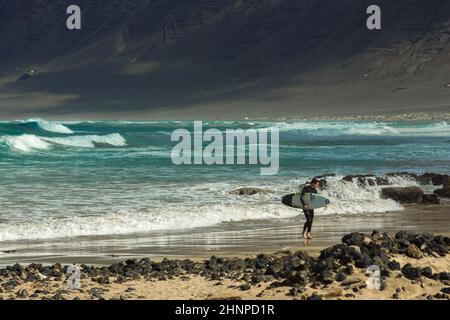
(222, 52)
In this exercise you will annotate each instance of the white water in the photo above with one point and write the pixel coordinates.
(50, 126)
(346, 198)
(30, 142)
(328, 128)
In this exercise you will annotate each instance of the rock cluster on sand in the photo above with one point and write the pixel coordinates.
(336, 264)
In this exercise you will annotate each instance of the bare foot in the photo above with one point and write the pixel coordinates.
(309, 235)
(305, 235)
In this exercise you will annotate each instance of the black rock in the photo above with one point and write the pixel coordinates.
(261, 261)
(430, 199)
(366, 179)
(257, 279)
(314, 296)
(403, 194)
(31, 277)
(326, 277)
(353, 239)
(382, 181)
(363, 262)
(443, 193)
(293, 292)
(116, 268)
(411, 272)
(444, 276)
(405, 235)
(275, 269)
(394, 265)
(103, 280)
(297, 277)
(446, 290)
(245, 287)
(427, 272)
(340, 276)
(436, 179)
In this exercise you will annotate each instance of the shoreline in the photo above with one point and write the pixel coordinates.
(412, 265)
(404, 115)
(228, 239)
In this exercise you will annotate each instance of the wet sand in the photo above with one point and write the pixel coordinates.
(230, 239)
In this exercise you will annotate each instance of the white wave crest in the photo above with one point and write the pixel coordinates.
(330, 128)
(24, 142)
(50, 126)
(30, 142)
(88, 141)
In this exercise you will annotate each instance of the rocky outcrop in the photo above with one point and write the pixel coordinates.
(435, 179)
(443, 193)
(403, 195)
(430, 199)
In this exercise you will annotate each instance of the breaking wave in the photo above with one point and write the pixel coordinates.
(50, 126)
(30, 142)
(329, 128)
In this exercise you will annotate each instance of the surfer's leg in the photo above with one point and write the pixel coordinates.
(311, 218)
(305, 226)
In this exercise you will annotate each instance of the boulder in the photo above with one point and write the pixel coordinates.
(403, 194)
(340, 276)
(353, 239)
(430, 199)
(411, 272)
(326, 276)
(436, 179)
(394, 265)
(444, 276)
(443, 193)
(427, 272)
(414, 252)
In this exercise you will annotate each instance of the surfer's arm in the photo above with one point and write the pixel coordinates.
(301, 198)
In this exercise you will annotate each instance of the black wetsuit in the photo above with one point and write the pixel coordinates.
(309, 213)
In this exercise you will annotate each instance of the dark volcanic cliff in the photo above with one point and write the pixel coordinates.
(222, 58)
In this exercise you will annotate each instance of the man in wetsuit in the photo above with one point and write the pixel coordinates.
(309, 213)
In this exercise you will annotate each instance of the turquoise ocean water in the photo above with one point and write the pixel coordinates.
(71, 179)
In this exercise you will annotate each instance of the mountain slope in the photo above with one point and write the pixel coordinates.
(222, 58)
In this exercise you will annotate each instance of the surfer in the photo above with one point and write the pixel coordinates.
(309, 213)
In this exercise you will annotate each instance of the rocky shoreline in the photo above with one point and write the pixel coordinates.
(410, 259)
(404, 195)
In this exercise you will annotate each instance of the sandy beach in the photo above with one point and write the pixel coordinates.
(408, 271)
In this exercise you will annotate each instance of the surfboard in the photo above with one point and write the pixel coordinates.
(311, 200)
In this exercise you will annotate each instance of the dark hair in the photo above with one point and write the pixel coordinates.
(315, 180)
